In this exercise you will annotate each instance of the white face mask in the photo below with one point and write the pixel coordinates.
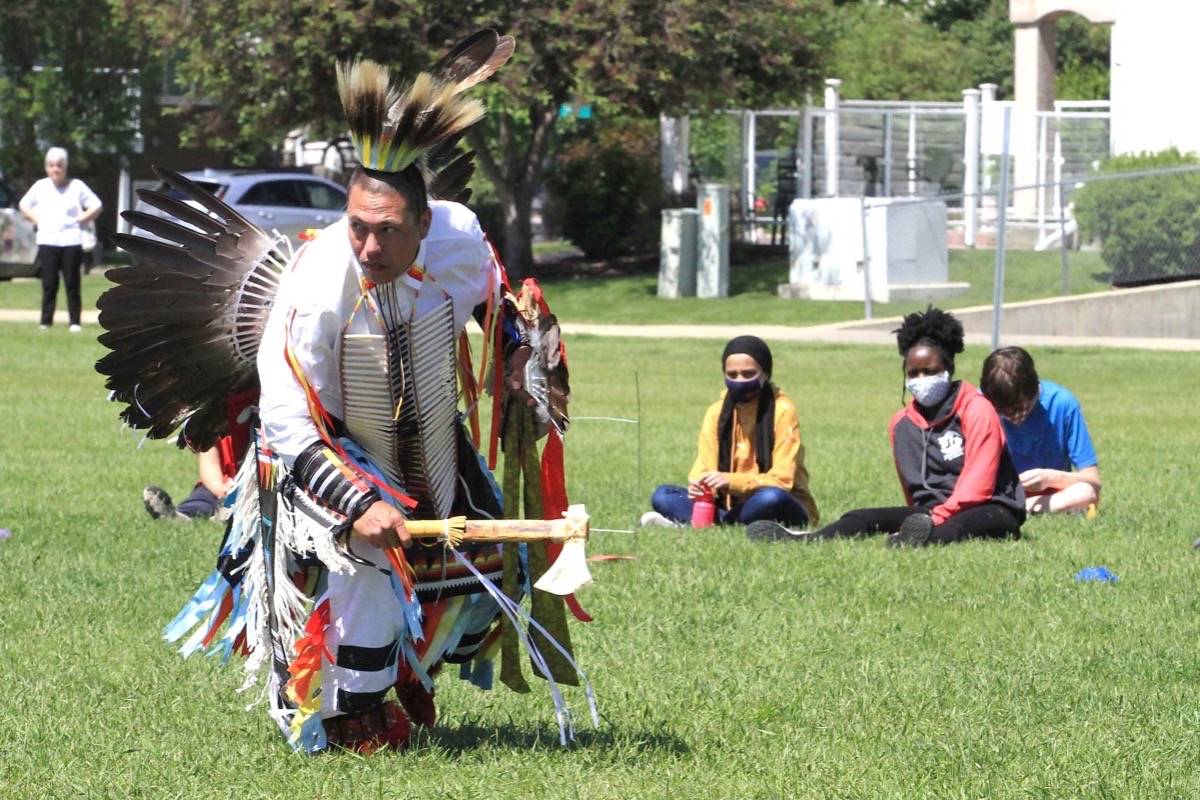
(929, 390)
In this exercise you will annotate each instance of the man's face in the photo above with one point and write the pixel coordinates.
(57, 171)
(1021, 412)
(384, 234)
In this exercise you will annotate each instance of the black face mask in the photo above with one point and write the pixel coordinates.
(744, 391)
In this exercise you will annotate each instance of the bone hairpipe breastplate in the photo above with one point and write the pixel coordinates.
(400, 401)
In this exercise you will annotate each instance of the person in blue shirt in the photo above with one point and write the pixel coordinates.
(1046, 434)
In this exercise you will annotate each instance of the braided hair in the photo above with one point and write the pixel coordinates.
(934, 328)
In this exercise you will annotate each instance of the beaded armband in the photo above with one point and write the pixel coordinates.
(320, 472)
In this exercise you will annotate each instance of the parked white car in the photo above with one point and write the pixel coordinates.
(288, 202)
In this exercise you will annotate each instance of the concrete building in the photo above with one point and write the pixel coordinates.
(1154, 56)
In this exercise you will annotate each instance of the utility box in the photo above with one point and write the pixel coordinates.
(677, 253)
(834, 241)
(712, 273)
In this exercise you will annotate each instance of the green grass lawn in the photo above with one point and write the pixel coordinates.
(26, 293)
(753, 299)
(722, 668)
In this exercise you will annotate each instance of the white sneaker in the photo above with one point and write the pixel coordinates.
(44, 327)
(76, 328)
(653, 519)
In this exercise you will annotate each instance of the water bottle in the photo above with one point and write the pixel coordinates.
(704, 510)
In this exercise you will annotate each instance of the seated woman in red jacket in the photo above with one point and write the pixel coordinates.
(958, 478)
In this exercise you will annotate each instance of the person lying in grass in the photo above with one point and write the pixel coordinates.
(1046, 434)
(958, 479)
(750, 459)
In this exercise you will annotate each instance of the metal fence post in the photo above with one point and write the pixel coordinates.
(832, 136)
(749, 154)
(806, 149)
(912, 151)
(1040, 192)
(1001, 217)
(1058, 164)
(1062, 237)
(868, 308)
(887, 153)
(970, 166)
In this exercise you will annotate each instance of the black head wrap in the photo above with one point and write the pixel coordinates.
(764, 433)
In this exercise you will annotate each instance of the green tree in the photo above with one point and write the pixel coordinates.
(1082, 59)
(885, 52)
(268, 66)
(263, 67)
(964, 43)
(70, 75)
(1148, 226)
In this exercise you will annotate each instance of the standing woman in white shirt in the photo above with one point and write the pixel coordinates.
(58, 206)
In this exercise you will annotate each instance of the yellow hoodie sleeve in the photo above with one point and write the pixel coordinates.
(706, 445)
(783, 458)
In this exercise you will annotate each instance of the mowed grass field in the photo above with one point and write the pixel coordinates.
(753, 297)
(722, 668)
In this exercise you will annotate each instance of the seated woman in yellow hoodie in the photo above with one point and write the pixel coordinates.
(750, 455)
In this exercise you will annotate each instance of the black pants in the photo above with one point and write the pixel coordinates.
(51, 261)
(988, 521)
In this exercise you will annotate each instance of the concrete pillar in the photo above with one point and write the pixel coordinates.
(124, 196)
(989, 133)
(298, 149)
(970, 166)
(833, 152)
(673, 150)
(1034, 85)
(712, 269)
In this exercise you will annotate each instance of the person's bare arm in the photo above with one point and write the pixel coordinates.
(1041, 480)
(90, 214)
(209, 462)
(26, 208)
(1054, 491)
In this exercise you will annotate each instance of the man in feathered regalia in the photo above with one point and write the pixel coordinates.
(323, 578)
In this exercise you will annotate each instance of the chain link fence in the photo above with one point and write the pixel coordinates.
(1048, 216)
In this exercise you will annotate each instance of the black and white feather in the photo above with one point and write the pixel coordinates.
(394, 127)
(474, 59)
(184, 322)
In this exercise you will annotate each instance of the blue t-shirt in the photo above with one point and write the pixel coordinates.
(1054, 435)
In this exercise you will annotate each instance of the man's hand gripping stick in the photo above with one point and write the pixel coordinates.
(569, 571)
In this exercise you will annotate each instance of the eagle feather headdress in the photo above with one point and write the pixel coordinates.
(183, 322)
(392, 127)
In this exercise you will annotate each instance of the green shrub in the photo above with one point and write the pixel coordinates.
(607, 191)
(1148, 227)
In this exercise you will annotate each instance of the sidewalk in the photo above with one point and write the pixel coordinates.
(858, 332)
(853, 333)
